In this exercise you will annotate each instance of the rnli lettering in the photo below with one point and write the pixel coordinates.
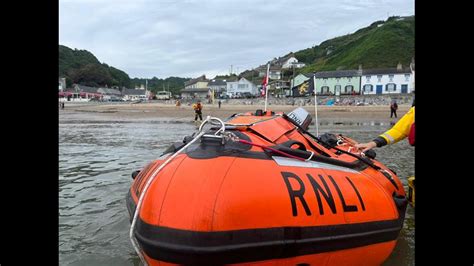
(326, 193)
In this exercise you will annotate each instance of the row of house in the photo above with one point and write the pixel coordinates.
(86, 93)
(340, 82)
(361, 81)
(203, 88)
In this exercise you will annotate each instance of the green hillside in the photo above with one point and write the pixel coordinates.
(382, 44)
(82, 67)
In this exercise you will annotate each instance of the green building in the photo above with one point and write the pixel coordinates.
(340, 82)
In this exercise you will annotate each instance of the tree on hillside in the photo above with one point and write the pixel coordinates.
(91, 75)
(119, 78)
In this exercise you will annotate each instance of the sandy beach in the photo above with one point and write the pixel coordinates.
(185, 112)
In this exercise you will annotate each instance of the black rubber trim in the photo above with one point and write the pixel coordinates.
(390, 178)
(237, 246)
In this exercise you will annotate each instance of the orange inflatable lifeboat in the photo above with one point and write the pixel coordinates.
(258, 189)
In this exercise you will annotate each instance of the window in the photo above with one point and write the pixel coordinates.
(337, 88)
(324, 89)
(349, 88)
(390, 87)
(390, 78)
(348, 79)
(337, 80)
(407, 77)
(242, 86)
(368, 87)
(367, 79)
(379, 78)
(325, 80)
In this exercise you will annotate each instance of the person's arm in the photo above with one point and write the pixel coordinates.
(398, 132)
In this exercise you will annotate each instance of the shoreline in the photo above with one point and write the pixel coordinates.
(185, 112)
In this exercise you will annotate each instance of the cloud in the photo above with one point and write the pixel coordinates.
(188, 38)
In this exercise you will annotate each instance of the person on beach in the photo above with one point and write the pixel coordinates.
(405, 127)
(393, 108)
(219, 103)
(197, 110)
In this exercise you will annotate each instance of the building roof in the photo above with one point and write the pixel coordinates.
(86, 89)
(239, 80)
(133, 92)
(196, 80)
(283, 59)
(381, 71)
(337, 74)
(217, 82)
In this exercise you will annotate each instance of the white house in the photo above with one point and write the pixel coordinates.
(240, 87)
(291, 62)
(276, 65)
(387, 81)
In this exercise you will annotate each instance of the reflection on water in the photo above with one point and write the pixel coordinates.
(96, 159)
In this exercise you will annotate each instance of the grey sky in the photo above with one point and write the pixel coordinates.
(188, 38)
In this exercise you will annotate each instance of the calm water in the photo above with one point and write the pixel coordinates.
(97, 156)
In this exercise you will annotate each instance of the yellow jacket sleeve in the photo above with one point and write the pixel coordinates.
(399, 131)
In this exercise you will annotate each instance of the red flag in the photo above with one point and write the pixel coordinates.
(264, 85)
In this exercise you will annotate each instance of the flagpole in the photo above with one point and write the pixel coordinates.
(266, 86)
(315, 107)
(146, 88)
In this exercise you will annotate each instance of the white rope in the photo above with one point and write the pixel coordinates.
(153, 175)
(311, 156)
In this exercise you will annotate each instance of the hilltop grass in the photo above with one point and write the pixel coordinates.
(382, 44)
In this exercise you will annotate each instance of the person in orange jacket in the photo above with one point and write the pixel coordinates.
(197, 110)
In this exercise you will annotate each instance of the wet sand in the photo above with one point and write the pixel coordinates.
(185, 112)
